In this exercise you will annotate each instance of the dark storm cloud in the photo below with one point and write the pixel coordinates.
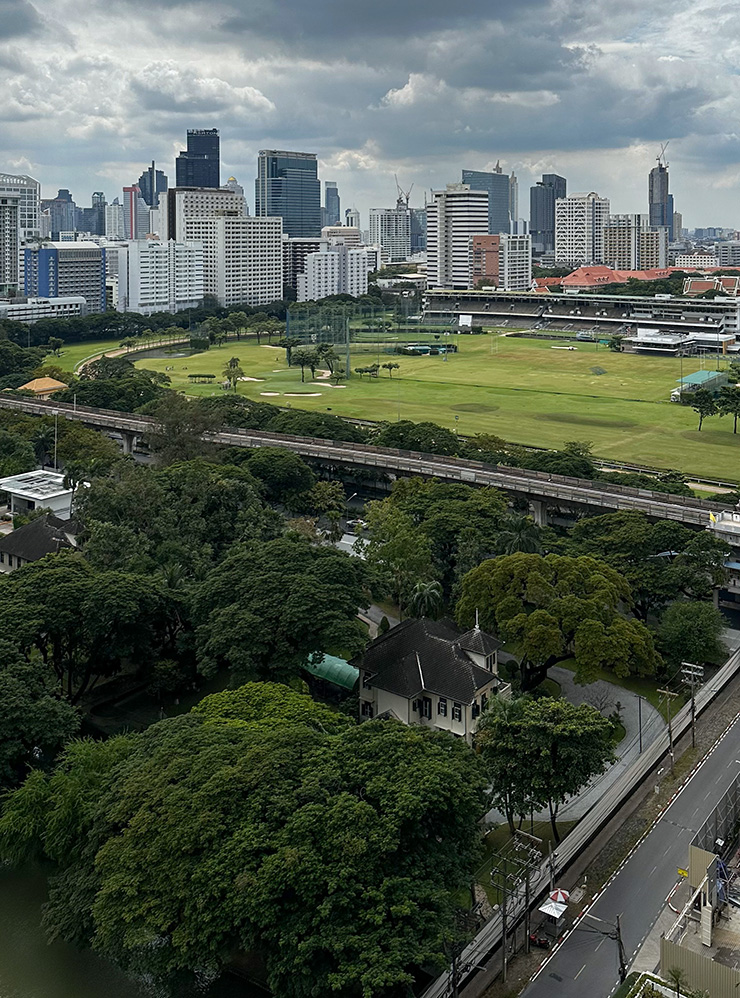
(18, 18)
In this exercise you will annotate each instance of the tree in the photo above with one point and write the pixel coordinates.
(325, 499)
(390, 367)
(289, 344)
(426, 600)
(181, 430)
(302, 357)
(283, 474)
(34, 722)
(703, 403)
(16, 454)
(232, 372)
(173, 849)
(557, 607)
(728, 403)
(425, 437)
(266, 609)
(678, 978)
(691, 632)
(55, 344)
(542, 752)
(519, 533)
(328, 355)
(400, 552)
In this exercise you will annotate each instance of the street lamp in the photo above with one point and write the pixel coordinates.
(55, 413)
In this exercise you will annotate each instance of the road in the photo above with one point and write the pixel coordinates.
(537, 486)
(587, 965)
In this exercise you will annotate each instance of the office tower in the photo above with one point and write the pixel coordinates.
(631, 243)
(453, 216)
(200, 164)
(62, 212)
(334, 270)
(418, 230)
(92, 219)
(114, 228)
(331, 203)
(135, 213)
(159, 276)
(513, 200)
(503, 261)
(10, 229)
(60, 270)
(579, 228)
(660, 201)
(677, 226)
(28, 192)
(152, 183)
(498, 187)
(287, 186)
(182, 204)
(391, 229)
(352, 217)
(542, 198)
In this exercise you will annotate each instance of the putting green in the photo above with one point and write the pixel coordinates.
(521, 390)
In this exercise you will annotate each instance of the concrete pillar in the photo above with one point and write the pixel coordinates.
(129, 441)
(539, 511)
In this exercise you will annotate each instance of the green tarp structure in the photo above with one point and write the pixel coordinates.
(335, 670)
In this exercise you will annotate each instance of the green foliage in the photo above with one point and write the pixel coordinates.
(399, 552)
(540, 752)
(703, 404)
(283, 474)
(267, 609)
(257, 828)
(16, 454)
(728, 403)
(425, 437)
(555, 607)
(691, 632)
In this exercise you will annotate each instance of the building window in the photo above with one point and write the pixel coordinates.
(366, 709)
(457, 712)
(426, 707)
(366, 682)
(442, 707)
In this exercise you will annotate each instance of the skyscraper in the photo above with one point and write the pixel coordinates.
(542, 198)
(331, 203)
(152, 183)
(453, 217)
(200, 164)
(287, 186)
(9, 242)
(498, 185)
(660, 201)
(60, 270)
(28, 192)
(391, 229)
(135, 213)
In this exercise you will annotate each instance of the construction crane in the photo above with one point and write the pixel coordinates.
(402, 201)
(661, 155)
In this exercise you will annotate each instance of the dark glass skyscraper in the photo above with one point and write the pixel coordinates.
(200, 164)
(287, 185)
(498, 186)
(660, 202)
(332, 212)
(152, 183)
(542, 199)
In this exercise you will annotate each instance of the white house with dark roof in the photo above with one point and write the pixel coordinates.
(428, 672)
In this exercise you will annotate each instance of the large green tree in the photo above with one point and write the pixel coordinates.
(429, 438)
(267, 609)
(690, 631)
(557, 607)
(260, 822)
(400, 553)
(538, 753)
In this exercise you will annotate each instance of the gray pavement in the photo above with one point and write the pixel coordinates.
(586, 964)
(604, 696)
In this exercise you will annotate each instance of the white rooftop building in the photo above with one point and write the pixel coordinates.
(38, 490)
(156, 276)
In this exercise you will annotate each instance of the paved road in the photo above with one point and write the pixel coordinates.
(586, 965)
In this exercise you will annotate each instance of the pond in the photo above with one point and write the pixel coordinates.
(32, 968)
(162, 353)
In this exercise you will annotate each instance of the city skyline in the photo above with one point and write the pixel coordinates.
(418, 92)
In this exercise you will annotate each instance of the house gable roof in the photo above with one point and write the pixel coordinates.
(43, 535)
(426, 656)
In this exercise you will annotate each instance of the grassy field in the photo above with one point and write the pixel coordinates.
(70, 356)
(522, 390)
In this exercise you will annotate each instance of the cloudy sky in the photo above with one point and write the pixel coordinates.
(92, 90)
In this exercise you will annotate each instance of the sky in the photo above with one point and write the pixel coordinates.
(93, 90)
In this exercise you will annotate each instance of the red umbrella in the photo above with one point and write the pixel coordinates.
(560, 896)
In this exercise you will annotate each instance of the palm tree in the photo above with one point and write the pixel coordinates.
(520, 533)
(232, 372)
(678, 978)
(426, 600)
(43, 441)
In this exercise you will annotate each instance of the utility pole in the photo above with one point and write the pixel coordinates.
(692, 674)
(639, 717)
(668, 697)
(622, 955)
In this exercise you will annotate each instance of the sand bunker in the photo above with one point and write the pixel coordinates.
(271, 394)
(250, 379)
(302, 395)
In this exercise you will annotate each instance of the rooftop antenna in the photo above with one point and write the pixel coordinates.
(402, 201)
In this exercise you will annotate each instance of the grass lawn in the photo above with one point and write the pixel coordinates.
(647, 688)
(521, 390)
(72, 355)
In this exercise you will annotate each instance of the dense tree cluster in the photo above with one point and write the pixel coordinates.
(261, 821)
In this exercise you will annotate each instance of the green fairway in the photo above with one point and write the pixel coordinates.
(70, 356)
(525, 391)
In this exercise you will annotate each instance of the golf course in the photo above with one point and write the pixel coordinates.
(526, 391)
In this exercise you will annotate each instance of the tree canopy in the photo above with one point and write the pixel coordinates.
(332, 852)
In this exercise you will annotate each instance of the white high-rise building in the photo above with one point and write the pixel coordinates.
(391, 229)
(335, 270)
(631, 243)
(242, 257)
(157, 276)
(9, 242)
(453, 216)
(28, 192)
(183, 203)
(114, 221)
(579, 228)
(352, 217)
(348, 234)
